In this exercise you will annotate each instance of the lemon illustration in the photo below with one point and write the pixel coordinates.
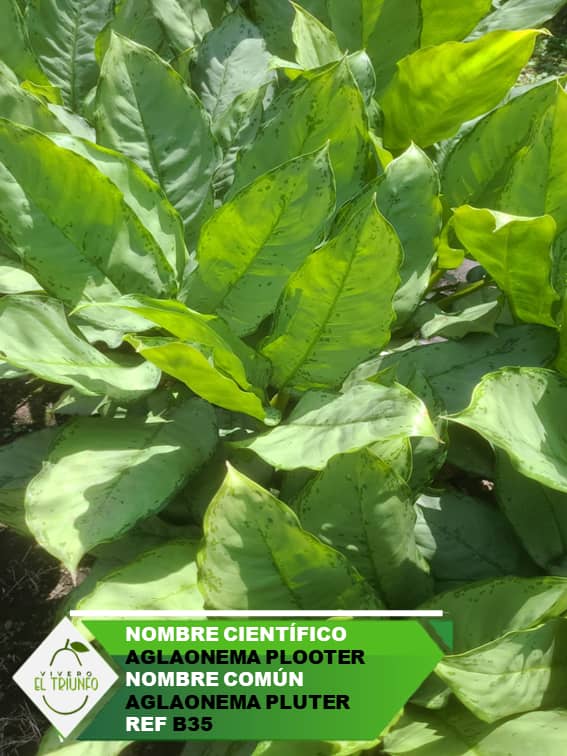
(73, 651)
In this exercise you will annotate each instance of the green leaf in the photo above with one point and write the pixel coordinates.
(470, 452)
(22, 107)
(72, 122)
(162, 578)
(145, 110)
(219, 747)
(523, 412)
(336, 311)
(232, 59)
(71, 402)
(516, 252)
(536, 179)
(205, 355)
(146, 536)
(8, 373)
(274, 18)
(256, 555)
(387, 29)
(244, 266)
(445, 20)
(466, 539)
(63, 34)
(278, 748)
(324, 424)
(521, 672)
(395, 35)
(47, 92)
(354, 23)
(14, 279)
(486, 611)
(454, 368)
(538, 515)
(479, 160)
(145, 198)
(428, 454)
(560, 363)
(15, 47)
(302, 119)
(35, 336)
(231, 354)
(234, 129)
(186, 22)
(102, 476)
(136, 19)
(518, 14)
(315, 44)
(51, 743)
(457, 732)
(78, 647)
(361, 507)
(479, 318)
(311, 748)
(20, 461)
(396, 453)
(438, 88)
(193, 364)
(363, 72)
(360, 67)
(317, 8)
(408, 196)
(70, 225)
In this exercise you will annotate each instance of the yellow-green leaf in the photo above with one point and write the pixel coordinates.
(445, 20)
(537, 178)
(336, 311)
(438, 88)
(256, 556)
(204, 354)
(35, 336)
(63, 34)
(145, 110)
(71, 226)
(516, 252)
(324, 424)
(103, 475)
(15, 47)
(315, 44)
(244, 264)
(523, 411)
(361, 507)
(303, 118)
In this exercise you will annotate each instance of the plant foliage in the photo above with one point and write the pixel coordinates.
(300, 271)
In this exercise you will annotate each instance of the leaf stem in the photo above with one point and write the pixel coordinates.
(280, 401)
(463, 292)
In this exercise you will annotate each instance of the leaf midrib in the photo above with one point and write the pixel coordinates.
(318, 333)
(261, 247)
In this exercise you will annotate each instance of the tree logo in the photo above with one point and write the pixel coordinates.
(65, 677)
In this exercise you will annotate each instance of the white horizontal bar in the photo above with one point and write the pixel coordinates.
(250, 613)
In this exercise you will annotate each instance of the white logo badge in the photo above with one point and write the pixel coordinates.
(65, 677)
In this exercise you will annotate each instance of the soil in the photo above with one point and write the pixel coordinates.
(33, 587)
(550, 56)
(32, 583)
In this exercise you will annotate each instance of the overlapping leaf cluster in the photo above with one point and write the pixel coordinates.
(324, 244)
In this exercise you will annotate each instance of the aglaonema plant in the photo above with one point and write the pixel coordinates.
(299, 271)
